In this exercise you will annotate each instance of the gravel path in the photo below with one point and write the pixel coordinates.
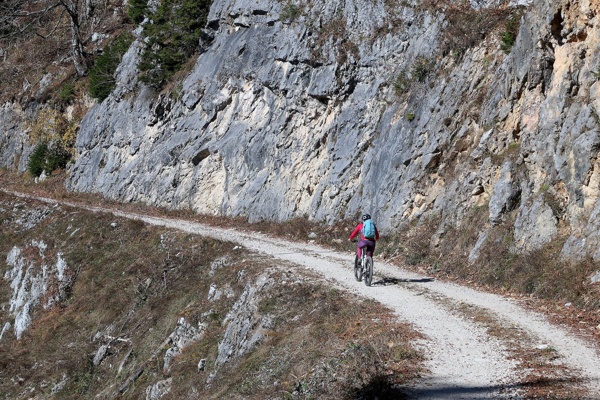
(464, 361)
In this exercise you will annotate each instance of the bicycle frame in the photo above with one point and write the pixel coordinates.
(365, 268)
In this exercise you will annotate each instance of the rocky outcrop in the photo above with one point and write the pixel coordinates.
(245, 325)
(34, 279)
(14, 143)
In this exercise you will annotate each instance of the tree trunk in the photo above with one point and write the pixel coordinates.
(76, 45)
(77, 50)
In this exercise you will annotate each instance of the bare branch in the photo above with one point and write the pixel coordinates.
(53, 30)
(13, 13)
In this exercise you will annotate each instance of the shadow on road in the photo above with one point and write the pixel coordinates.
(463, 392)
(387, 281)
(377, 389)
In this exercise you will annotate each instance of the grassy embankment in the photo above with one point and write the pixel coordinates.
(129, 284)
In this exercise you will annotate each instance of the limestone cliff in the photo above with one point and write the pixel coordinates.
(402, 109)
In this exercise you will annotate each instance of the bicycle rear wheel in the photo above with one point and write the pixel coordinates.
(368, 270)
(357, 269)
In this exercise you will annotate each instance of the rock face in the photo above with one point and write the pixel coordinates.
(366, 106)
(31, 282)
(14, 146)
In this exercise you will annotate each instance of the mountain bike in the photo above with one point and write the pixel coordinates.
(363, 267)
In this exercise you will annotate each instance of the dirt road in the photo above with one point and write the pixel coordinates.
(465, 358)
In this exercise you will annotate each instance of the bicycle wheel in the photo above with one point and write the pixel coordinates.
(357, 269)
(368, 271)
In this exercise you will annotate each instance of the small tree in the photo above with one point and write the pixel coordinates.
(54, 138)
(137, 10)
(509, 35)
(102, 74)
(172, 38)
(47, 17)
(37, 160)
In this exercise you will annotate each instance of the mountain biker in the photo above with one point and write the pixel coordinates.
(369, 243)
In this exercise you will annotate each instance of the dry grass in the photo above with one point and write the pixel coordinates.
(466, 27)
(544, 378)
(318, 347)
(411, 244)
(539, 279)
(132, 282)
(43, 50)
(20, 69)
(539, 274)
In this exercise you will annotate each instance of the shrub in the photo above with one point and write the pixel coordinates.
(421, 69)
(54, 136)
(51, 126)
(101, 76)
(289, 12)
(418, 73)
(47, 159)
(466, 27)
(37, 160)
(66, 94)
(137, 10)
(172, 38)
(509, 35)
(401, 83)
(56, 158)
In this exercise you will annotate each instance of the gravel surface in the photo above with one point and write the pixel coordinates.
(464, 361)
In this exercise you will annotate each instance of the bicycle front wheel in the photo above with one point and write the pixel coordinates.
(357, 269)
(368, 271)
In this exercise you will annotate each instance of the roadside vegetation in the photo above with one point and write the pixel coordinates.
(539, 279)
(104, 332)
(53, 137)
(540, 276)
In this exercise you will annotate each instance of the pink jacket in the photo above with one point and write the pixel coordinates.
(359, 229)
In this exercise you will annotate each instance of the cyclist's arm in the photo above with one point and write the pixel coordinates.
(355, 231)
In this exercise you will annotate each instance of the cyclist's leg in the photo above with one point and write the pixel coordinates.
(370, 245)
(361, 245)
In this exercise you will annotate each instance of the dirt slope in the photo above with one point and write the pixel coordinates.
(473, 339)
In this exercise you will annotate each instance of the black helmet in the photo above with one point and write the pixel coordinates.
(366, 217)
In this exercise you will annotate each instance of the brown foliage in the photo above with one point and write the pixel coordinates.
(36, 43)
(135, 281)
(466, 27)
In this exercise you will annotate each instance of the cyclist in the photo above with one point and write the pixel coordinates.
(367, 242)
